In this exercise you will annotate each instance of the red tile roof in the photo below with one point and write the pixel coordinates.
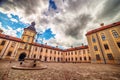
(41, 45)
(10, 37)
(46, 46)
(77, 48)
(103, 28)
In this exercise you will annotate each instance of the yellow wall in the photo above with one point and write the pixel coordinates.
(110, 41)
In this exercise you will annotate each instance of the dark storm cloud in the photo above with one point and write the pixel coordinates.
(111, 8)
(29, 6)
(77, 27)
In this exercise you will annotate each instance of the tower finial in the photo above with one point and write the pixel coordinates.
(33, 23)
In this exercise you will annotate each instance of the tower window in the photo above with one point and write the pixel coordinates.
(28, 39)
(3, 43)
(110, 56)
(118, 43)
(98, 57)
(93, 39)
(95, 48)
(115, 34)
(106, 46)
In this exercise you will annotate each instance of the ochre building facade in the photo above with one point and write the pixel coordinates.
(12, 48)
(104, 44)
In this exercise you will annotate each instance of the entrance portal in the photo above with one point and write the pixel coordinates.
(22, 56)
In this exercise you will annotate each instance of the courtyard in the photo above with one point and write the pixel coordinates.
(61, 71)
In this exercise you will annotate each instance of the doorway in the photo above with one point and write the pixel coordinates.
(22, 56)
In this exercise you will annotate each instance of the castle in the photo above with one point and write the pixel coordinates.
(103, 47)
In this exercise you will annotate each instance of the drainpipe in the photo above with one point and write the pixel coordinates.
(101, 49)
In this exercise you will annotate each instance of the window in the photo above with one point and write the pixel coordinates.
(13, 44)
(95, 48)
(72, 58)
(89, 58)
(34, 55)
(106, 46)
(71, 53)
(103, 37)
(93, 39)
(76, 58)
(40, 56)
(54, 58)
(55, 52)
(85, 58)
(28, 39)
(58, 53)
(51, 51)
(9, 53)
(83, 51)
(80, 58)
(46, 50)
(36, 49)
(110, 56)
(98, 57)
(75, 53)
(41, 50)
(25, 46)
(115, 34)
(3, 42)
(50, 57)
(118, 43)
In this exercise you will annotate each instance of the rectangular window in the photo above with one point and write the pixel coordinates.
(9, 53)
(98, 57)
(95, 48)
(118, 43)
(106, 46)
(3, 43)
(110, 56)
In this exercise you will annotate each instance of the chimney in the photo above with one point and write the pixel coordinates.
(45, 43)
(82, 44)
(56, 46)
(102, 24)
(71, 46)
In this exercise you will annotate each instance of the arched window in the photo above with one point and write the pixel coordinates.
(103, 37)
(115, 34)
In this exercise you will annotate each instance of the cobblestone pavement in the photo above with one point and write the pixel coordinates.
(61, 71)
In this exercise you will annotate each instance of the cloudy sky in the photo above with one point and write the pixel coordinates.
(58, 22)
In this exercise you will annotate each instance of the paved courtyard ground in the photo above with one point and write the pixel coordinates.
(62, 71)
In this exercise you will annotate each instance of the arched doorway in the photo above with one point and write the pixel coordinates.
(22, 56)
